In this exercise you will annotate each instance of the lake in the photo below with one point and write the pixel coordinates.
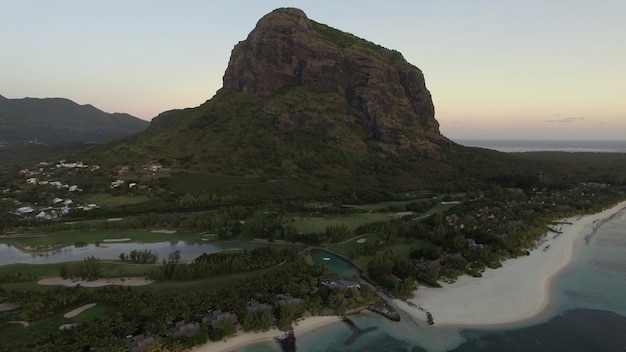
(189, 250)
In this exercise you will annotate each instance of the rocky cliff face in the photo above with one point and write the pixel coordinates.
(362, 84)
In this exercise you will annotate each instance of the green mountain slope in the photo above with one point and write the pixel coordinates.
(308, 109)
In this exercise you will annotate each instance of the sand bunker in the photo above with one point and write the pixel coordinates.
(78, 310)
(20, 322)
(128, 281)
(116, 239)
(67, 326)
(7, 306)
(115, 219)
(167, 232)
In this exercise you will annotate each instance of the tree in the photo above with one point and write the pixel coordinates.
(64, 271)
(91, 269)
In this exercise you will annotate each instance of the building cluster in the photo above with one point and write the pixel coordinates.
(212, 320)
(43, 175)
(504, 216)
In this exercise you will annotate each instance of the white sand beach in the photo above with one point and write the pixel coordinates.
(518, 291)
(245, 339)
(127, 281)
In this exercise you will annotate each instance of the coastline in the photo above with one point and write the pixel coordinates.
(516, 293)
(243, 339)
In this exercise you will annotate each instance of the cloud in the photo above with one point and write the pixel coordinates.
(566, 120)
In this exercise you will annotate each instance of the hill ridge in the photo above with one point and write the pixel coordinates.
(61, 120)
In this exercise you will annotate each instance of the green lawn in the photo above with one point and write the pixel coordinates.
(352, 221)
(384, 205)
(18, 332)
(110, 201)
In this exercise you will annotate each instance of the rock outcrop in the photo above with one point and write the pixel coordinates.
(362, 84)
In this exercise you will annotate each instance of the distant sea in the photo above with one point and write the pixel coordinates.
(588, 313)
(530, 145)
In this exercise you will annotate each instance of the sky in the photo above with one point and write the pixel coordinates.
(499, 69)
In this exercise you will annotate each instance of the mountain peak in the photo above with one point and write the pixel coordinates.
(372, 87)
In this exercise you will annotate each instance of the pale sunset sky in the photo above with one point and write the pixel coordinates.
(535, 69)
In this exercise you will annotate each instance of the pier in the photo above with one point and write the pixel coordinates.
(356, 331)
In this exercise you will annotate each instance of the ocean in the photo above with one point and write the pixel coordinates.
(588, 314)
(531, 145)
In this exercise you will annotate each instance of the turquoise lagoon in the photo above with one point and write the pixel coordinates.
(588, 305)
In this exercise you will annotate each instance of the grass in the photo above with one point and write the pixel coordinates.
(352, 221)
(248, 227)
(110, 201)
(384, 205)
(109, 270)
(56, 240)
(352, 246)
(15, 332)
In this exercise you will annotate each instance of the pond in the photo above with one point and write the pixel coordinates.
(334, 263)
(188, 250)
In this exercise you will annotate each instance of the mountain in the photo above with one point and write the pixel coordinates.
(57, 120)
(303, 101)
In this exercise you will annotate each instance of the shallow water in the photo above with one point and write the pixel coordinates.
(335, 264)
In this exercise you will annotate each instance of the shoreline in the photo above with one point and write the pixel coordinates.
(516, 294)
(244, 339)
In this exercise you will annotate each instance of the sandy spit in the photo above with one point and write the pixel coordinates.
(518, 291)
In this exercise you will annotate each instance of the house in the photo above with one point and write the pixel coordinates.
(42, 215)
(137, 343)
(182, 327)
(253, 306)
(216, 317)
(435, 265)
(289, 300)
(116, 183)
(333, 284)
(24, 210)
